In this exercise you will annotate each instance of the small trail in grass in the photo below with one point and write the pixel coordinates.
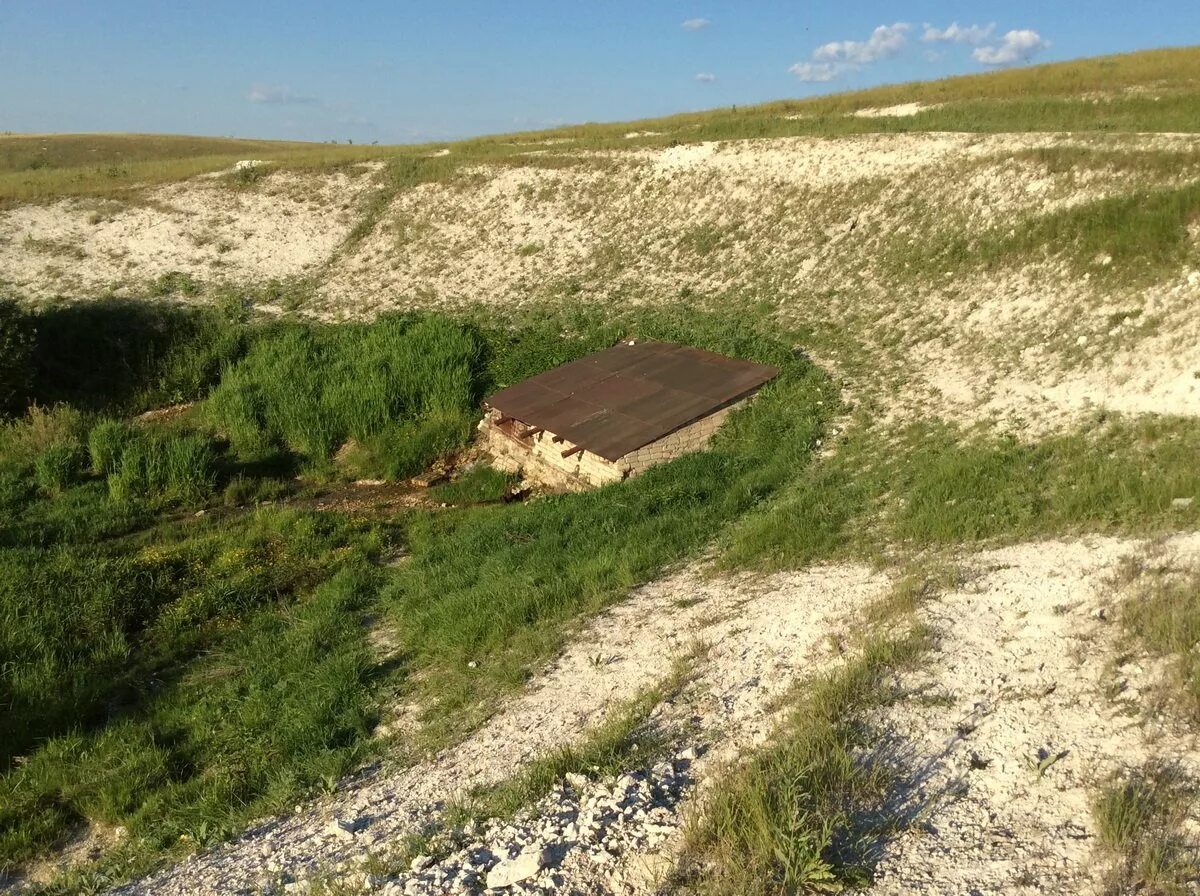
(1022, 669)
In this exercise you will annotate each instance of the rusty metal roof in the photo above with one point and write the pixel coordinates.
(630, 395)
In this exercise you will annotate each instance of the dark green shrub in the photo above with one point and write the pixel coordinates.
(16, 358)
(125, 357)
(59, 467)
(176, 283)
(480, 483)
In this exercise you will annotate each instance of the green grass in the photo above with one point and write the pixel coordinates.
(163, 645)
(1147, 234)
(125, 356)
(1163, 616)
(932, 483)
(1142, 819)
(403, 389)
(802, 814)
(146, 681)
(478, 485)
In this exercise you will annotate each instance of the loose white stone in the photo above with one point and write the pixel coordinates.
(512, 871)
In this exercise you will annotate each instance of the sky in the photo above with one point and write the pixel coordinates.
(401, 72)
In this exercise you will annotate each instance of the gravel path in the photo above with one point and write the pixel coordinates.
(1023, 672)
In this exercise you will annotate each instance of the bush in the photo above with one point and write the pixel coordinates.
(126, 357)
(479, 484)
(176, 283)
(58, 467)
(16, 358)
(169, 468)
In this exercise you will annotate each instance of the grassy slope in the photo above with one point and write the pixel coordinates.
(37, 167)
(1156, 90)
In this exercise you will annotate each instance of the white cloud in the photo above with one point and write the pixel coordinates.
(279, 96)
(705, 77)
(815, 71)
(832, 59)
(1014, 47)
(958, 34)
(886, 40)
(695, 24)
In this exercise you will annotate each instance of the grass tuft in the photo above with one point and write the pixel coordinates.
(796, 816)
(1142, 819)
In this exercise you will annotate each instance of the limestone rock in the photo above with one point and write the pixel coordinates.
(512, 871)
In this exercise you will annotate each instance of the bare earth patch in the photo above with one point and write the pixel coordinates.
(286, 225)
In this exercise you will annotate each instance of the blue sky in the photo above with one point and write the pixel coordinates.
(409, 71)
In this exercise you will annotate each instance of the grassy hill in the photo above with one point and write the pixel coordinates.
(1149, 91)
(985, 314)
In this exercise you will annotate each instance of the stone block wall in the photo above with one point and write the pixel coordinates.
(692, 437)
(540, 458)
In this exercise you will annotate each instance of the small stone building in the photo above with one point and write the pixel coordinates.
(615, 413)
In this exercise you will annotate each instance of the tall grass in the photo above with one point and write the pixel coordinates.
(126, 356)
(404, 388)
(1142, 816)
(168, 468)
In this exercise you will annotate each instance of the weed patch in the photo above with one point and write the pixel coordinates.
(1142, 816)
(792, 819)
(1163, 615)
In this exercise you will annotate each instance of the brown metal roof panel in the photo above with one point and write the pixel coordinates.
(669, 408)
(526, 401)
(618, 390)
(620, 399)
(572, 377)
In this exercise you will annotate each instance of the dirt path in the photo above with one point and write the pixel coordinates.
(1022, 673)
(1020, 667)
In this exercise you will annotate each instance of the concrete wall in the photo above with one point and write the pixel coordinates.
(540, 458)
